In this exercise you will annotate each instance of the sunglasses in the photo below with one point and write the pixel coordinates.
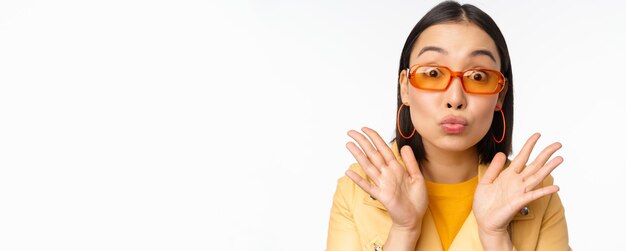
(438, 78)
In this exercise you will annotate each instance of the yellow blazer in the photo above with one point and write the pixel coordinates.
(358, 222)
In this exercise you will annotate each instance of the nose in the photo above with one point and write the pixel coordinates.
(454, 97)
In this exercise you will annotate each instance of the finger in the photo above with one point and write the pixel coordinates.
(538, 193)
(494, 169)
(539, 176)
(380, 144)
(371, 152)
(362, 183)
(410, 162)
(522, 158)
(541, 159)
(371, 170)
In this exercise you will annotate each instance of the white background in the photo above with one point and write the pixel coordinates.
(187, 125)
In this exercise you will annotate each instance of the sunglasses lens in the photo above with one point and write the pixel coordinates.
(430, 78)
(482, 81)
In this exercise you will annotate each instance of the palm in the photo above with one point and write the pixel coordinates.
(497, 201)
(501, 194)
(402, 191)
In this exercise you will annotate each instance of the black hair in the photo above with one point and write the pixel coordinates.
(451, 12)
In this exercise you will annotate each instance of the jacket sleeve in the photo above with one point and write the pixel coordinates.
(342, 232)
(553, 234)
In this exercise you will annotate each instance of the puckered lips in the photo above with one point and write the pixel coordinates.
(453, 124)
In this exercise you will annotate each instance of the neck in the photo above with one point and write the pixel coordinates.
(449, 166)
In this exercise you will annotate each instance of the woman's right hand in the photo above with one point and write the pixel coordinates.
(402, 192)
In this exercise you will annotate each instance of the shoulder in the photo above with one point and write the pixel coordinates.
(358, 199)
(345, 185)
(355, 167)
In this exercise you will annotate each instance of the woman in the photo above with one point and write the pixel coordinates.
(450, 186)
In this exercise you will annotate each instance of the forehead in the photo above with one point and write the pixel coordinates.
(458, 40)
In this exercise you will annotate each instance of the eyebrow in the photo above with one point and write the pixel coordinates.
(483, 52)
(432, 48)
(473, 54)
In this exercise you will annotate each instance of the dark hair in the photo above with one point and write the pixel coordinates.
(450, 12)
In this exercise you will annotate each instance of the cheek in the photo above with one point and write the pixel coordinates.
(483, 122)
(423, 110)
(483, 115)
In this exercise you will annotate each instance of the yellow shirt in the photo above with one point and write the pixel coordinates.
(450, 204)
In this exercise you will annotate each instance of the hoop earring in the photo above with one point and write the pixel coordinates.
(503, 129)
(398, 125)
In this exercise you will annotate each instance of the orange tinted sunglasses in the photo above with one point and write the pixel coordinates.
(438, 78)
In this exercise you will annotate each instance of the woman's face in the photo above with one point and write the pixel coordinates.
(459, 46)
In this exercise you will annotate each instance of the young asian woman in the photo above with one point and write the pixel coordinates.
(445, 183)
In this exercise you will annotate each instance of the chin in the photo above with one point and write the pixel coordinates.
(455, 147)
(456, 143)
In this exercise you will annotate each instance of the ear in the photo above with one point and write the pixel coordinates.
(403, 81)
(503, 94)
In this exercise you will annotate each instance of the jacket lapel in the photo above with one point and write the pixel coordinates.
(467, 238)
(429, 238)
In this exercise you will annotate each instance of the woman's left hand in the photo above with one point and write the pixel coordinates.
(502, 194)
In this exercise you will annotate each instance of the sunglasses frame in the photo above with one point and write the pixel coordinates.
(453, 74)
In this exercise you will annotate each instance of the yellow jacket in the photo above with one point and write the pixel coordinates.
(358, 222)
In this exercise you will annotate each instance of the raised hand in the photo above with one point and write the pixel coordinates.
(402, 192)
(501, 194)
